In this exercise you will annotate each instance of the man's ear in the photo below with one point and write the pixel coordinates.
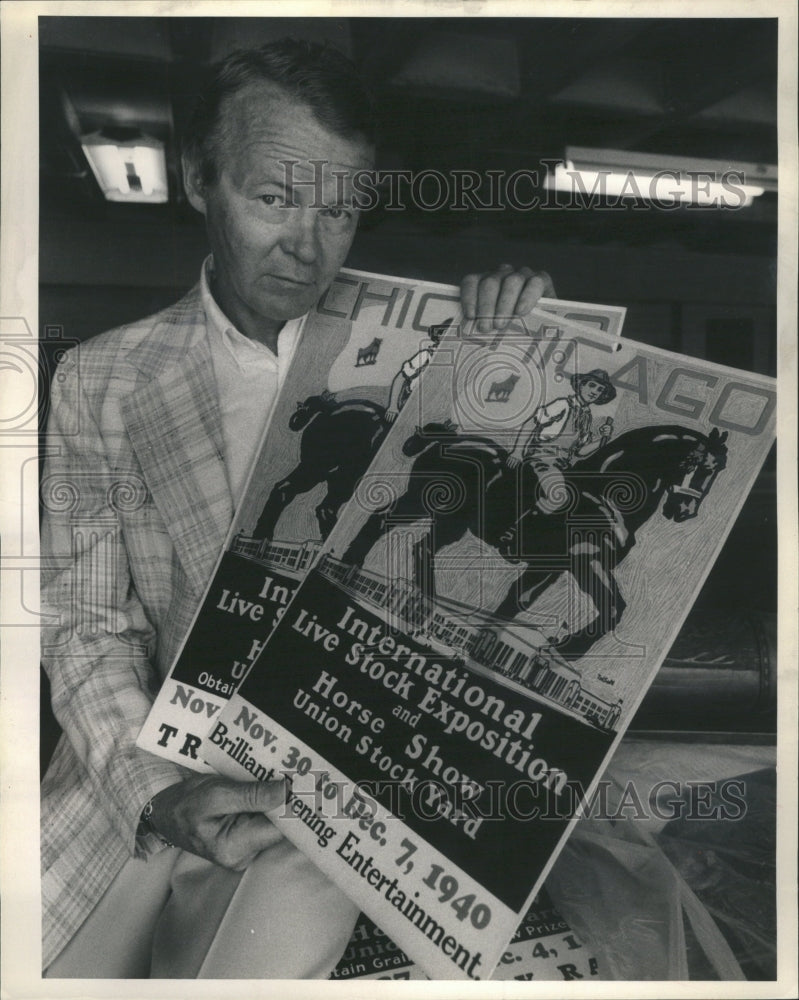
(193, 183)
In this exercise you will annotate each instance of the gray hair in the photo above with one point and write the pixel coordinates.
(317, 75)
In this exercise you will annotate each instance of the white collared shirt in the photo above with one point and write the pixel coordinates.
(248, 377)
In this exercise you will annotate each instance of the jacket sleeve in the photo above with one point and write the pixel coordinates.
(96, 640)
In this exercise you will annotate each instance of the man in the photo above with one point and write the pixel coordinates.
(151, 433)
(411, 370)
(561, 431)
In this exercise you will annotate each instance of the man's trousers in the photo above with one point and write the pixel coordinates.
(176, 916)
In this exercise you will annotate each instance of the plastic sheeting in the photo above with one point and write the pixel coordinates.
(691, 898)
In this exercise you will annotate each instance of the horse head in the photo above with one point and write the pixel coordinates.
(695, 475)
(423, 437)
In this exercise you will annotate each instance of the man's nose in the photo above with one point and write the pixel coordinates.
(299, 235)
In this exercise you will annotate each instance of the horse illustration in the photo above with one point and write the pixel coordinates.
(500, 391)
(338, 443)
(464, 484)
(368, 355)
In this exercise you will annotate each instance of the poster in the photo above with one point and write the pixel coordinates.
(485, 618)
(362, 351)
(544, 948)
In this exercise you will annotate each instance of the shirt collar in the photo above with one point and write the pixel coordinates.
(218, 323)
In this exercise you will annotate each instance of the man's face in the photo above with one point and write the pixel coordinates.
(277, 243)
(591, 390)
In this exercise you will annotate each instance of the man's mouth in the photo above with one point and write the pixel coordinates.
(289, 280)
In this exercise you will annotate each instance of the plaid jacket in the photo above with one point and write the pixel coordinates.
(136, 508)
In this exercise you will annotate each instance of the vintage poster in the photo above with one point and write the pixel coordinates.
(543, 949)
(361, 351)
(488, 612)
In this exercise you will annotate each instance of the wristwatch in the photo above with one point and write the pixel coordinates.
(147, 825)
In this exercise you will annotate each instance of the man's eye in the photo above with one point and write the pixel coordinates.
(337, 212)
(270, 199)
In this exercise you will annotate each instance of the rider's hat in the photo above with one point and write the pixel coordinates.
(597, 375)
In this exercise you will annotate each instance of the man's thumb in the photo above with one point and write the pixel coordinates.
(254, 796)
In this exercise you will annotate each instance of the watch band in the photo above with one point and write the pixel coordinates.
(146, 820)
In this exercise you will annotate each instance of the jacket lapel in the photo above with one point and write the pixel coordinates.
(175, 427)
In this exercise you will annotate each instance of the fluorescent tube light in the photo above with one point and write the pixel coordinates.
(128, 165)
(664, 180)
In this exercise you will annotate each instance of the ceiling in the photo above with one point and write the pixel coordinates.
(453, 93)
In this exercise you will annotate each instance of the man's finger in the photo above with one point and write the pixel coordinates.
(536, 287)
(239, 842)
(248, 796)
(469, 295)
(510, 291)
(487, 295)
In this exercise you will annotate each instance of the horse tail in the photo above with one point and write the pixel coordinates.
(431, 433)
(416, 443)
(302, 415)
(308, 409)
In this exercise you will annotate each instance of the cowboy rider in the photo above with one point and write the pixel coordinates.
(561, 431)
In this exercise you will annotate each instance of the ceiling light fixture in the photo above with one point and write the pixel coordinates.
(129, 166)
(666, 180)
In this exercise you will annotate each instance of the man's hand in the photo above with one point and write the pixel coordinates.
(495, 297)
(218, 819)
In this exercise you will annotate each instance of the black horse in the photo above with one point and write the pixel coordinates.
(339, 441)
(464, 484)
